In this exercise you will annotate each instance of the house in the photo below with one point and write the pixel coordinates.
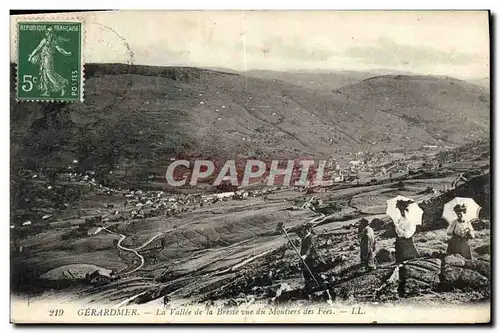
(354, 165)
(93, 231)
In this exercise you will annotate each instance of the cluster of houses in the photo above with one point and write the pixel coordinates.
(143, 204)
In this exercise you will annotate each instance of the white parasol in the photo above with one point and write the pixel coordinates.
(414, 213)
(472, 209)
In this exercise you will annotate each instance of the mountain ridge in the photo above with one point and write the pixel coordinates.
(145, 114)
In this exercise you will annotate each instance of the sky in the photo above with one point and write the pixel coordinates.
(424, 42)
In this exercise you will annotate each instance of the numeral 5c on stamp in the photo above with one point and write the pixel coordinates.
(49, 66)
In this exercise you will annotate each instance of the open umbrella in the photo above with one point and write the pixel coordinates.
(472, 209)
(414, 213)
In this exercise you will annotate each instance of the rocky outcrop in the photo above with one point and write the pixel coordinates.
(480, 266)
(460, 273)
(415, 277)
(454, 260)
(483, 249)
(477, 188)
(485, 257)
(420, 274)
(462, 278)
(480, 224)
(426, 252)
(385, 255)
(378, 224)
(363, 286)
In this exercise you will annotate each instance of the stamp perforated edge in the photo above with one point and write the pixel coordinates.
(41, 18)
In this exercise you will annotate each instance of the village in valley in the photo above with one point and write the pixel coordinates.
(137, 227)
(159, 180)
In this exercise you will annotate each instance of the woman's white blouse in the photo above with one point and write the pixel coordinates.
(405, 228)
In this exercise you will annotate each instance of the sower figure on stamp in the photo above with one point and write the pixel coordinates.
(43, 55)
(367, 244)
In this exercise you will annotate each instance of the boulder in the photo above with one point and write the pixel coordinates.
(377, 224)
(471, 280)
(481, 266)
(421, 274)
(426, 252)
(485, 257)
(389, 233)
(285, 293)
(455, 260)
(365, 285)
(385, 255)
(480, 224)
(483, 249)
(462, 278)
(450, 275)
(321, 296)
(431, 264)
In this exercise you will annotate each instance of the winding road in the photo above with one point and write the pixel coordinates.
(133, 250)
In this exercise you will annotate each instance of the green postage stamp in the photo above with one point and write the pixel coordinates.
(49, 66)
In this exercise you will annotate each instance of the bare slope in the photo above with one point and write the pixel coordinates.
(420, 109)
(145, 114)
(316, 80)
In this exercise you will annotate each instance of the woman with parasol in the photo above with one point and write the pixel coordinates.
(406, 215)
(405, 228)
(460, 231)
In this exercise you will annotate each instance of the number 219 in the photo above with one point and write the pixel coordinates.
(56, 312)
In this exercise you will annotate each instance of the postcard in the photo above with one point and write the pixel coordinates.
(250, 167)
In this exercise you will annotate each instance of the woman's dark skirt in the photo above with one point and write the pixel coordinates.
(405, 249)
(459, 245)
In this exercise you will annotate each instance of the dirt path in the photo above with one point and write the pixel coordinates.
(133, 250)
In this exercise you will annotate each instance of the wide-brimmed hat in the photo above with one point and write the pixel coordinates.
(403, 204)
(466, 206)
(460, 208)
(396, 206)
